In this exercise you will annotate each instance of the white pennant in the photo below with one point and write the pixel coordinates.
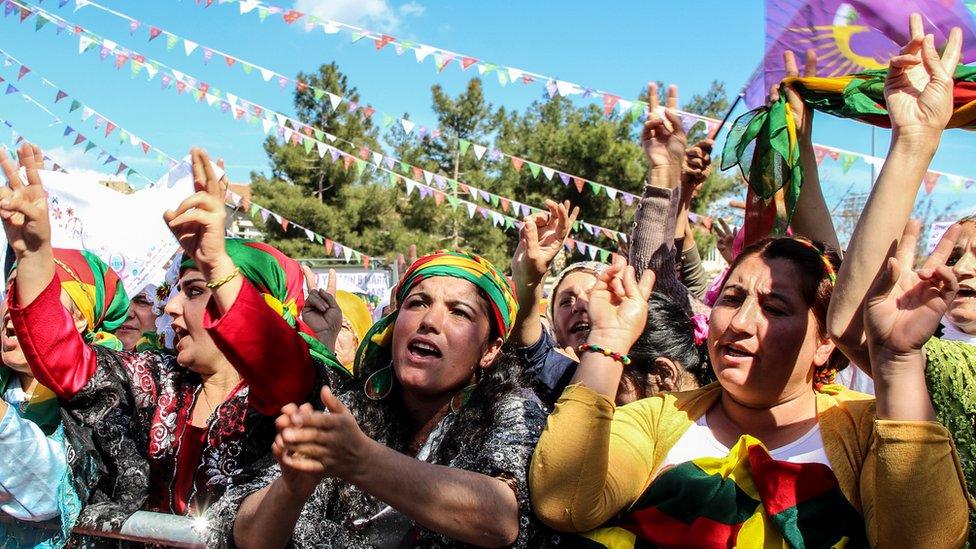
(346, 252)
(80, 4)
(310, 235)
(280, 118)
(189, 46)
(428, 177)
(334, 100)
(266, 74)
(330, 137)
(109, 44)
(83, 42)
(471, 209)
(407, 125)
(496, 219)
(479, 150)
(322, 147)
(377, 158)
(232, 99)
(592, 252)
(422, 52)
(151, 70)
(211, 99)
(567, 88)
(266, 125)
(548, 172)
(134, 140)
(514, 74)
(624, 105)
(248, 5)
(331, 27)
(86, 113)
(411, 184)
(611, 192)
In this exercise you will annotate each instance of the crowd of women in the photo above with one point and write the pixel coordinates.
(641, 409)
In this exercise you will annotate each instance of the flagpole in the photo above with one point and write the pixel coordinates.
(728, 114)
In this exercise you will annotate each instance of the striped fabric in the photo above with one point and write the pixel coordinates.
(745, 499)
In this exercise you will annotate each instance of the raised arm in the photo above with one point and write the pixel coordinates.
(540, 239)
(812, 217)
(652, 238)
(918, 92)
(56, 352)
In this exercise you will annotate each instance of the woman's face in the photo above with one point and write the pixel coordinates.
(346, 345)
(441, 337)
(571, 323)
(962, 310)
(10, 350)
(195, 349)
(763, 338)
(141, 319)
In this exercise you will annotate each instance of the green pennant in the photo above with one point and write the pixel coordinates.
(89, 146)
(319, 239)
(308, 145)
(319, 93)
(360, 167)
(495, 200)
(508, 223)
(594, 188)
(160, 158)
(130, 171)
(136, 68)
(262, 14)
(247, 68)
(576, 226)
(407, 45)
(604, 255)
(534, 168)
(39, 22)
(75, 105)
(319, 134)
(357, 256)
(357, 36)
(452, 184)
(453, 201)
(405, 168)
(197, 94)
(215, 92)
(123, 136)
(464, 146)
(393, 178)
(387, 120)
(503, 77)
(489, 67)
(255, 210)
(636, 110)
(171, 41)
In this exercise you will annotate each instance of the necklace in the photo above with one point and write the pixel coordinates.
(206, 399)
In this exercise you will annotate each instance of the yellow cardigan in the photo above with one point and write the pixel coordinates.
(902, 476)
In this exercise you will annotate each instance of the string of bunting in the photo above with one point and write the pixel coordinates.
(368, 112)
(270, 118)
(19, 138)
(612, 103)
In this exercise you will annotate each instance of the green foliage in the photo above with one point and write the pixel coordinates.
(363, 211)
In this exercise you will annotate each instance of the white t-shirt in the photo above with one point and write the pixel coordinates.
(698, 442)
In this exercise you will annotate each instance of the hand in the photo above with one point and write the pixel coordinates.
(321, 311)
(23, 208)
(903, 307)
(726, 239)
(618, 306)
(663, 138)
(404, 263)
(298, 480)
(540, 239)
(696, 167)
(801, 114)
(918, 90)
(326, 443)
(198, 222)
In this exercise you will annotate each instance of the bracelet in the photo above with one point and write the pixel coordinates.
(218, 283)
(589, 347)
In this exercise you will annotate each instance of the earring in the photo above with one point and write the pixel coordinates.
(462, 397)
(379, 384)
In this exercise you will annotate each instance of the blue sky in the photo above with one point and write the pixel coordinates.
(614, 46)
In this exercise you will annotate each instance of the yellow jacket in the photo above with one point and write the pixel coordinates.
(902, 476)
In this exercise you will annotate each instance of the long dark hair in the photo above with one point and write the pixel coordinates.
(817, 265)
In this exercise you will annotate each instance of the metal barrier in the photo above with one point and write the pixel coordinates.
(153, 528)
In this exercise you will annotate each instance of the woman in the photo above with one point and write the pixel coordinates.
(551, 358)
(441, 432)
(190, 414)
(51, 465)
(918, 96)
(769, 455)
(140, 323)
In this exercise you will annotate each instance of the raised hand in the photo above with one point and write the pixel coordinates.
(321, 311)
(696, 167)
(904, 307)
(299, 473)
(23, 208)
(663, 138)
(801, 114)
(324, 443)
(618, 306)
(725, 239)
(918, 90)
(198, 222)
(540, 239)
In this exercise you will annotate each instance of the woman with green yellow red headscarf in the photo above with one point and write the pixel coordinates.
(173, 429)
(49, 470)
(431, 447)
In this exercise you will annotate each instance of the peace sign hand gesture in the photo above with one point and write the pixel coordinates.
(919, 86)
(321, 311)
(618, 306)
(663, 138)
(23, 208)
(540, 239)
(198, 222)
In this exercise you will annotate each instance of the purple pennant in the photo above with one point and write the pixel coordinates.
(224, 106)
(79, 139)
(63, 3)
(337, 249)
(388, 162)
(352, 106)
(122, 167)
(629, 199)
(8, 8)
(110, 160)
(496, 155)
(11, 89)
(483, 212)
(334, 153)
(564, 177)
(103, 53)
(969, 183)
(61, 95)
(68, 130)
(424, 192)
(62, 26)
(440, 180)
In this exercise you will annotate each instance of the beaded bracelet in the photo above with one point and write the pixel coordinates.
(589, 347)
(218, 283)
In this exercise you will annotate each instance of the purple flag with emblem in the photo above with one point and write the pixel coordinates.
(852, 35)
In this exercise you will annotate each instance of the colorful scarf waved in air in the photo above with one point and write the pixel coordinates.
(746, 499)
(473, 268)
(279, 280)
(763, 142)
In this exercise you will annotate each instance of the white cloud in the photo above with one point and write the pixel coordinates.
(376, 15)
(76, 162)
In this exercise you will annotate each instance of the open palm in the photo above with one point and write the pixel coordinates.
(540, 240)
(617, 307)
(918, 89)
(663, 138)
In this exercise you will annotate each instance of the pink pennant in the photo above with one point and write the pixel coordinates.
(467, 62)
(931, 178)
(120, 60)
(229, 60)
(61, 95)
(154, 32)
(133, 26)
(609, 102)
(382, 41)
(145, 147)
(109, 128)
(291, 16)
(517, 163)
(23, 71)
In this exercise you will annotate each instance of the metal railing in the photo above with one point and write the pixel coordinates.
(147, 527)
